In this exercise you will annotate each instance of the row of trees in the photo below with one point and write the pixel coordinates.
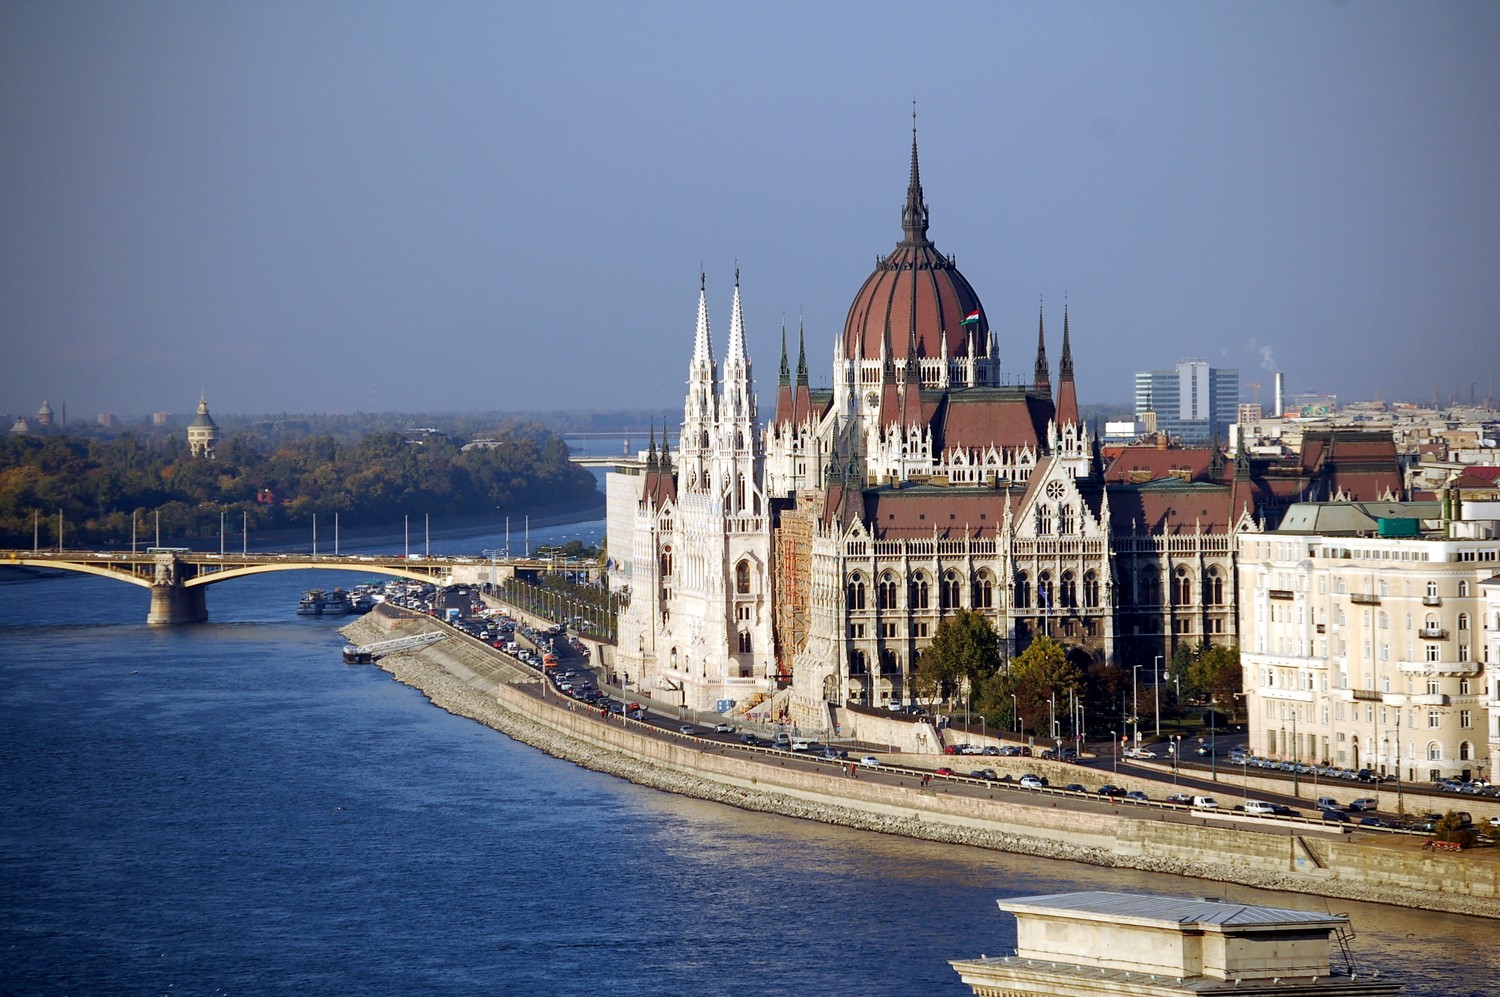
(963, 665)
(101, 486)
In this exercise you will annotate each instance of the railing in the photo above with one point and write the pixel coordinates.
(1282, 594)
(1437, 633)
(1432, 600)
(1365, 598)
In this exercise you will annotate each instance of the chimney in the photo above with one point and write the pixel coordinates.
(1280, 400)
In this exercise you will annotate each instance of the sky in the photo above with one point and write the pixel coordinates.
(336, 207)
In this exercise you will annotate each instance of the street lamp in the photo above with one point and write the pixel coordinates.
(1156, 689)
(1114, 740)
(1135, 704)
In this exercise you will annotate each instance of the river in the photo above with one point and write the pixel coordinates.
(226, 808)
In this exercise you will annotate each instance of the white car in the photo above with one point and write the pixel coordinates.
(870, 762)
(1032, 782)
(723, 729)
(1139, 753)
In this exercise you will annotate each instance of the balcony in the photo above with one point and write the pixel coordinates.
(1435, 633)
(1432, 600)
(1321, 628)
(1440, 667)
(1285, 594)
(1366, 598)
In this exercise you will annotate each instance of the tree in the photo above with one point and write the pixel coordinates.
(1216, 673)
(1039, 676)
(964, 650)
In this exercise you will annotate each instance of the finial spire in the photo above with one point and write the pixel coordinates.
(1042, 375)
(914, 214)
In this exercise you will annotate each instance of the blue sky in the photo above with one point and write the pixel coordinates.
(336, 207)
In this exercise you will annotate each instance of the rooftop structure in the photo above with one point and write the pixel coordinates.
(1101, 943)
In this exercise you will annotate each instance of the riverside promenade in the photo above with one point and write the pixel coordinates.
(470, 679)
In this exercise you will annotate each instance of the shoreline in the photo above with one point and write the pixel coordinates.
(452, 677)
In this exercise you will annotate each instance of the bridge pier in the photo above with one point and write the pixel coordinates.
(171, 600)
(177, 604)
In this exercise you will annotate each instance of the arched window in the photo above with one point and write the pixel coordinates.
(1215, 592)
(1044, 599)
(1023, 591)
(984, 592)
(918, 598)
(1432, 590)
(739, 491)
(1043, 520)
(1182, 589)
(950, 593)
(666, 574)
(1434, 751)
(856, 593)
(1065, 519)
(857, 662)
(1069, 590)
(1463, 588)
(1465, 751)
(674, 657)
(1091, 590)
(886, 592)
(1149, 589)
(744, 642)
(742, 578)
(1463, 621)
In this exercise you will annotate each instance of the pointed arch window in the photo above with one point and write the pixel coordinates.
(856, 593)
(744, 642)
(739, 491)
(950, 590)
(918, 591)
(1044, 595)
(1091, 590)
(1065, 520)
(1023, 591)
(885, 592)
(984, 591)
(742, 578)
(1150, 589)
(1215, 593)
(1043, 520)
(1069, 590)
(1182, 588)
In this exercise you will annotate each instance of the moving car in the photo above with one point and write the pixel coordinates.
(1032, 782)
(1205, 803)
(870, 762)
(1362, 804)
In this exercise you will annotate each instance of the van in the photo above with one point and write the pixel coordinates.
(1329, 803)
(781, 740)
(1205, 803)
(1259, 808)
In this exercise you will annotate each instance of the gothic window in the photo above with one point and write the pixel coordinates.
(856, 662)
(950, 591)
(1182, 588)
(1043, 520)
(1091, 590)
(984, 592)
(857, 593)
(674, 657)
(1215, 587)
(1069, 590)
(744, 642)
(918, 591)
(666, 574)
(1065, 519)
(1023, 591)
(888, 660)
(742, 578)
(1149, 590)
(886, 591)
(739, 491)
(1044, 591)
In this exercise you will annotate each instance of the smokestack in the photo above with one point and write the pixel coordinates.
(1280, 398)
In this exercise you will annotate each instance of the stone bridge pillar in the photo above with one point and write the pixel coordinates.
(171, 600)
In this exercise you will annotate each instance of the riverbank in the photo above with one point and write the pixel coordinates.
(465, 679)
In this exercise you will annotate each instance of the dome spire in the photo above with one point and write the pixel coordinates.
(914, 214)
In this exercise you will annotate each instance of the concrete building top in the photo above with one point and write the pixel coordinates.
(1180, 912)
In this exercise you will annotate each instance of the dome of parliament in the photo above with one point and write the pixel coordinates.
(916, 297)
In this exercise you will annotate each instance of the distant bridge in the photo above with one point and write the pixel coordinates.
(177, 576)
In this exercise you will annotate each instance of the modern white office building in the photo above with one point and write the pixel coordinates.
(1192, 402)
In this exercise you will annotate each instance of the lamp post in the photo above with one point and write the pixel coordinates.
(1156, 689)
(1135, 705)
(1114, 740)
(1297, 752)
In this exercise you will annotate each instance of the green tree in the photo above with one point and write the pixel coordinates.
(964, 650)
(1217, 675)
(1038, 677)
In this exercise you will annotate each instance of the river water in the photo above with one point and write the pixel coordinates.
(228, 809)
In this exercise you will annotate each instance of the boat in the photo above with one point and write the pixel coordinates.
(316, 602)
(354, 655)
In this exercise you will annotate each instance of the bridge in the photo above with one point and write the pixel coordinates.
(178, 577)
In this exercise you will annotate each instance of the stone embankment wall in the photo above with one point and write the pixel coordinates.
(466, 679)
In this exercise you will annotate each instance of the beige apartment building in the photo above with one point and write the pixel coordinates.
(1365, 639)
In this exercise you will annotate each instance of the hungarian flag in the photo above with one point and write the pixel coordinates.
(972, 318)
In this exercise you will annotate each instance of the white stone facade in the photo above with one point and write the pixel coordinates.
(1370, 652)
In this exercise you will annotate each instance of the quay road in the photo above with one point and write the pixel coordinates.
(658, 721)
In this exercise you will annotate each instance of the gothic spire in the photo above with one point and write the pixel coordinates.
(784, 379)
(1065, 366)
(1067, 393)
(1042, 378)
(735, 351)
(914, 214)
(702, 349)
(801, 356)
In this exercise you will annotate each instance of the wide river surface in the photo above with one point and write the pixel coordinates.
(227, 808)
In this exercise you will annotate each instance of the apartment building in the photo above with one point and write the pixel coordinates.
(1364, 639)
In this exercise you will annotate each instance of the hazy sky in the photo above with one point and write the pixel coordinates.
(343, 206)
